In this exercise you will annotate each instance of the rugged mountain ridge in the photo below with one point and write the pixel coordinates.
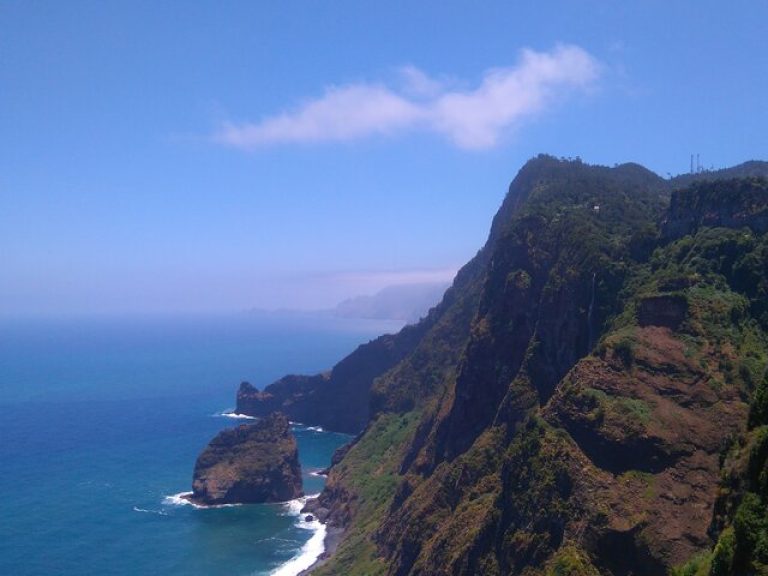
(339, 399)
(588, 398)
(568, 409)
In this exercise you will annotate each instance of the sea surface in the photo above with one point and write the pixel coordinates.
(101, 420)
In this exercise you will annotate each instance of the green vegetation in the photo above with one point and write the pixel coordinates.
(570, 560)
(624, 349)
(708, 196)
(742, 547)
(699, 565)
(721, 563)
(501, 446)
(758, 410)
(369, 474)
(750, 530)
(536, 487)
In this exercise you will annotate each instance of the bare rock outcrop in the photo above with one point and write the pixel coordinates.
(252, 463)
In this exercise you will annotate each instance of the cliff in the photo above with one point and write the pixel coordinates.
(589, 397)
(252, 463)
(336, 400)
(340, 399)
(570, 408)
(733, 203)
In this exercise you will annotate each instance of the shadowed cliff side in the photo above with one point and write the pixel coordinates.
(336, 400)
(341, 399)
(567, 413)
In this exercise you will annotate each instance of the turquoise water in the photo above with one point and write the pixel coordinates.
(102, 420)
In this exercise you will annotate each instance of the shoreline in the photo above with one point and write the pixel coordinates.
(186, 499)
(333, 536)
(309, 515)
(296, 507)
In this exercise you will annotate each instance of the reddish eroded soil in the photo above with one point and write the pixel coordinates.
(651, 426)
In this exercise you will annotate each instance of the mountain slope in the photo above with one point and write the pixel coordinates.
(566, 408)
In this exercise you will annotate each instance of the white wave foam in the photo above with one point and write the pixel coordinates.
(293, 507)
(235, 415)
(315, 428)
(318, 473)
(308, 554)
(182, 499)
(159, 512)
(312, 549)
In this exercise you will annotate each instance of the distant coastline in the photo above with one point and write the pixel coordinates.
(399, 304)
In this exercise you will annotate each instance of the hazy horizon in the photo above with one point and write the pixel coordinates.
(411, 296)
(180, 158)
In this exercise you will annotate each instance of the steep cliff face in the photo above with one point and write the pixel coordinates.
(568, 410)
(725, 203)
(344, 398)
(249, 464)
(544, 298)
(542, 301)
(337, 400)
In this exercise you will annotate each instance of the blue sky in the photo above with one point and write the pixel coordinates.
(212, 156)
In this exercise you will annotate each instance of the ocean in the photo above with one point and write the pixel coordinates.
(103, 418)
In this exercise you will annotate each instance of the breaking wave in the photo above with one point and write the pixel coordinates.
(182, 499)
(234, 415)
(312, 548)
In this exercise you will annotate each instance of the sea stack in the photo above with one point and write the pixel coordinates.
(252, 463)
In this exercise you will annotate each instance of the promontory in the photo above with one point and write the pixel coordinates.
(252, 463)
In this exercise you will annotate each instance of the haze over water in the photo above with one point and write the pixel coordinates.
(103, 419)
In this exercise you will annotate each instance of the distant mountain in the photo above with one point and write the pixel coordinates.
(407, 302)
(404, 303)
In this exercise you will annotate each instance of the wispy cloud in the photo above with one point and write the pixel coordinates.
(382, 278)
(470, 118)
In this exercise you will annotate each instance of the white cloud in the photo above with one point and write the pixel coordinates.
(473, 119)
(418, 84)
(343, 113)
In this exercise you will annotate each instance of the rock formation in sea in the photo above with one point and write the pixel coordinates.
(251, 463)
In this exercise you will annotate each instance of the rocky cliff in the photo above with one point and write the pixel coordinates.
(732, 203)
(588, 398)
(336, 400)
(570, 408)
(340, 398)
(252, 463)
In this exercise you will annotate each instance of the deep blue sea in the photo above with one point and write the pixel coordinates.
(101, 420)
